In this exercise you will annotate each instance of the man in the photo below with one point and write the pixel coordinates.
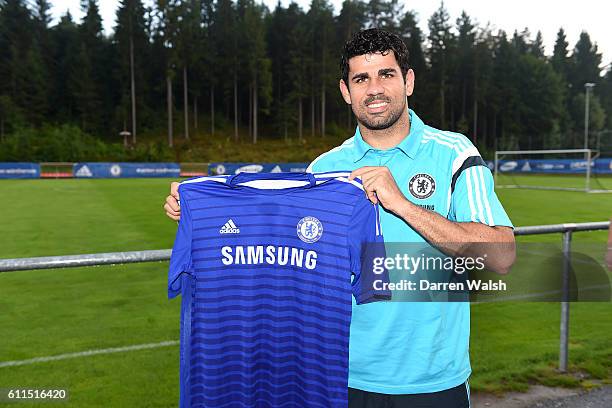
(434, 187)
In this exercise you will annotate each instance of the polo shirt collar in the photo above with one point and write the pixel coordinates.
(409, 145)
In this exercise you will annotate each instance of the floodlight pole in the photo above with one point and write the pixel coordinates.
(588, 87)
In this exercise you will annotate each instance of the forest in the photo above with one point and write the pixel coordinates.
(175, 72)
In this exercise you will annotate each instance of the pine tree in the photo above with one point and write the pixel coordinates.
(298, 69)
(65, 39)
(351, 19)
(562, 64)
(503, 97)
(224, 55)
(536, 48)
(520, 41)
(560, 60)
(442, 43)
(585, 69)
(606, 97)
(83, 89)
(540, 101)
(16, 38)
(132, 46)
(322, 39)
(464, 78)
(257, 65)
(165, 33)
(90, 72)
(586, 61)
(410, 32)
(384, 14)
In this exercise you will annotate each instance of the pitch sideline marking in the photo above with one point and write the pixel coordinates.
(89, 353)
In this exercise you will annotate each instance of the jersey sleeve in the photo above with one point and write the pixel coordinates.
(473, 197)
(180, 260)
(365, 241)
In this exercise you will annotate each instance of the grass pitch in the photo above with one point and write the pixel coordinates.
(53, 312)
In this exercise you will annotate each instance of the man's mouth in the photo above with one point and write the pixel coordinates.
(377, 106)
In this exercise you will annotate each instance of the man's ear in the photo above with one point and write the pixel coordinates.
(409, 80)
(346, 95)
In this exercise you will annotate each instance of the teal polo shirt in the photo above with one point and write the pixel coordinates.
(417, 347)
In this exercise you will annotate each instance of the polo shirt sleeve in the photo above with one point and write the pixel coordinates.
(180, 261)
(473, 197)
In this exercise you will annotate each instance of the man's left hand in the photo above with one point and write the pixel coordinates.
(380, 186)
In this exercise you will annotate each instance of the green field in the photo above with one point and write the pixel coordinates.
(596, 181)
(53, 312)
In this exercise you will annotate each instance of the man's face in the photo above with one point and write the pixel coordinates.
(376, 90)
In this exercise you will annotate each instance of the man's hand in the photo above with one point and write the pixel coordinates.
(173, 211)
(380, 186)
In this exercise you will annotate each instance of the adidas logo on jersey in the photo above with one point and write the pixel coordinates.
(229, 228)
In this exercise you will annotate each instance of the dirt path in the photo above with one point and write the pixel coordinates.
(546, 397)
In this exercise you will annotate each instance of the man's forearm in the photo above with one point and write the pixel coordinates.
(461, 238)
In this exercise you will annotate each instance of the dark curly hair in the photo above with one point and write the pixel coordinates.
(371, 41)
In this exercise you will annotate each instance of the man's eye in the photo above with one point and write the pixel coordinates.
(387, 75)
(359, 80)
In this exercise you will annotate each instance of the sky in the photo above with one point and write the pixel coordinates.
(544, 15)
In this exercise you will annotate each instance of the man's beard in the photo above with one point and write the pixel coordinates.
(379, 124)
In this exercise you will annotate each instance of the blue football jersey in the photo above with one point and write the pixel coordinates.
(267, 265)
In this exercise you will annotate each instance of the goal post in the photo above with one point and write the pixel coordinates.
(560, 169)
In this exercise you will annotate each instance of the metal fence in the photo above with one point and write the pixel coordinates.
(116, 258)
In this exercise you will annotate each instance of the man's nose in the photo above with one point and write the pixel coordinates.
(375, 86)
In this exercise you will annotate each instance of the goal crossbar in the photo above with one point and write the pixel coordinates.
(502, 152)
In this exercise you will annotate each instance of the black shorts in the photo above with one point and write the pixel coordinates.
(456, 397)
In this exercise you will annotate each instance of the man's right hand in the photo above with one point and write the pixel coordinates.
(173, 210)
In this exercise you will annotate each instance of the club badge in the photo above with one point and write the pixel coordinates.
(422, 186)
(309, 229)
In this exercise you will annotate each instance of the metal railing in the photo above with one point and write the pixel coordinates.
(115, 258)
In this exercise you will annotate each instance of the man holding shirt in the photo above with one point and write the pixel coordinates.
(434, 188)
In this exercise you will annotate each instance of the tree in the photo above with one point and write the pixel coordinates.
(384, 14)
(225, 56)
(540, 92)
(351, 19)
(520, 41)
(132, 46)
(442, 43)
(15, 41)
(65, 40)
(586, 61)
(483, 84)
(300, 61)
(413, 38)
(563, 66)
(321, 36)
(188, 37)
(165, 37)
(280, 29)
(257, 65)
(83, 88)
(504, 97)
(560, 60)
(90, 72)
(606, 97)
(536, 48)
(464, 78)
(597, 118)
(585, 68)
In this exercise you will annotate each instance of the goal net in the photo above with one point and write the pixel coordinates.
(572, 170)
